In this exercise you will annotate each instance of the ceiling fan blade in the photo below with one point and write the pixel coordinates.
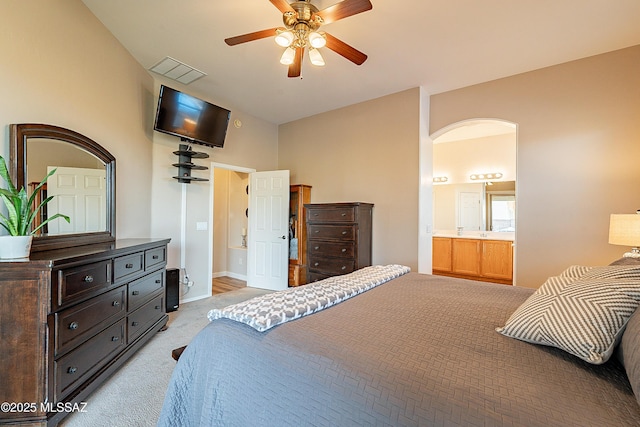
(282, 5)
(341, 48)
(232, 41)
(344, 9)
(296, 67)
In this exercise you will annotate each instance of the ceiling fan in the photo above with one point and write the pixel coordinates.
(301, 23)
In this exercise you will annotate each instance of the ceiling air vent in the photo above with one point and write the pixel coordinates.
(176, 70)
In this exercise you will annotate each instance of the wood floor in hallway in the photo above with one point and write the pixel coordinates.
(226, 284)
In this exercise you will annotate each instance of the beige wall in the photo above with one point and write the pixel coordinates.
(368, 152)
(61, 66)
(577, 155)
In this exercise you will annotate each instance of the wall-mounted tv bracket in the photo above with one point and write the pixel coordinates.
(185, 164)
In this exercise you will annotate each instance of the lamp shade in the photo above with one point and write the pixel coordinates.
(624, 229)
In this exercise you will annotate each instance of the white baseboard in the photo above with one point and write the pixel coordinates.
(230, 274)
(183, 301)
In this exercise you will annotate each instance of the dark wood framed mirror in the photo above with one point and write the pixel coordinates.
(36, 148)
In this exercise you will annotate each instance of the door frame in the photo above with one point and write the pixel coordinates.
(233, 168)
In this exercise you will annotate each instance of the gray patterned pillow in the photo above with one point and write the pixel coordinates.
(583, 315)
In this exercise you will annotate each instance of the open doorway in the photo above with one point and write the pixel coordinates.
(229, 185)
(474, 182)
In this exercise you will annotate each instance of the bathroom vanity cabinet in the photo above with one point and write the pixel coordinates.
(485, 260)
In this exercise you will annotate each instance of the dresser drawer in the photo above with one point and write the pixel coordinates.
(76, 367)
(333, 214)
(78, 283)
(141, 319)
(331, 232)
(332, 249)
(155, 257)
(75, 324)
(142, 289)
(333, 266)
(127, 267)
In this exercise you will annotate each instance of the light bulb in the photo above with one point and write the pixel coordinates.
(317, 40)
(315, 57)
(284, 38)
(288, 56)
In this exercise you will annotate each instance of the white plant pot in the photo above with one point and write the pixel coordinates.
(15, 247)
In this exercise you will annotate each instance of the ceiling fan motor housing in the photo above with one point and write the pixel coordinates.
(305, 13)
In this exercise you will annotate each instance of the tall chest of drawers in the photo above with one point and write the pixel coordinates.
(339, 238)
(71, 318)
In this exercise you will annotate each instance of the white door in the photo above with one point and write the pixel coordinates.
(81, 194)
(470, 211)
(268, 236)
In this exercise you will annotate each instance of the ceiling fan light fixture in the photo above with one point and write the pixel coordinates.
(315, 57)
(317, 39)
(288, 56)
(284, 38)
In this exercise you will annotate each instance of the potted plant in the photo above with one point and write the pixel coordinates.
(21, 212)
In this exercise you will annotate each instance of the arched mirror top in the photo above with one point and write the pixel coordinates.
(35, 149)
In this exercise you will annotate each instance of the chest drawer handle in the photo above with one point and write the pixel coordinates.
(135, 292)
(344, 232)
(128, 266)
(134, 323)
(72, 370)
(155, 257)
(73, 326)
(157, 307)
(115, 303)
(315, 248)
(114, 339)
(87, 279)
(316, 264)
(158, 281)
(344, 267)
(344, 214)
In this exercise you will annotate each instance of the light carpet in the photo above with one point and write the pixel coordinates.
(133, 396)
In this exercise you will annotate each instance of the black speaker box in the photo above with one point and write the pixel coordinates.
(173, 289)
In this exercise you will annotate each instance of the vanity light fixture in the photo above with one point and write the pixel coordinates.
(440, 179)
(624, 230)
(485, 176)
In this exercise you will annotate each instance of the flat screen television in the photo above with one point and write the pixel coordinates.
(190, 118)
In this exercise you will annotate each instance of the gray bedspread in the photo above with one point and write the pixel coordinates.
(420, 350)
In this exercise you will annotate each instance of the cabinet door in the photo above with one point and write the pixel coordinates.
(441, 254)
(497, 259)
(466, 256)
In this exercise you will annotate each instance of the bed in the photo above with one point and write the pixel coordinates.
(416, 350)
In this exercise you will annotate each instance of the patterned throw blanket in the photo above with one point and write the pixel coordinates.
(266, 311)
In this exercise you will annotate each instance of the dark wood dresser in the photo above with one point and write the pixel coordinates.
(339, 238)
(70, 318)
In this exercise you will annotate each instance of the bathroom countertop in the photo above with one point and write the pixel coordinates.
(481, 235)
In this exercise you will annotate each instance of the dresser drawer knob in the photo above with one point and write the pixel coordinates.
(158, 281)
(316, 264)
(157, 307)
(344, 267)
(128, 266)
(73, 326)
(344, 250)
(115, 303)
(134, 323)
(114, 338)
(344, 214)
(72, 370)
(155, 257)
(315, 248)
(135, 293)
(88, 279)
(344, 232)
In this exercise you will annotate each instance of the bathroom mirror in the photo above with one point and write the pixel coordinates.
(83, 185)
(475, 206)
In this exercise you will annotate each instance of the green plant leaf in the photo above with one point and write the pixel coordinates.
(4, 173)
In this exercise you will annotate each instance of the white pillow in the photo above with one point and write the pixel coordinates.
(583, 311)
